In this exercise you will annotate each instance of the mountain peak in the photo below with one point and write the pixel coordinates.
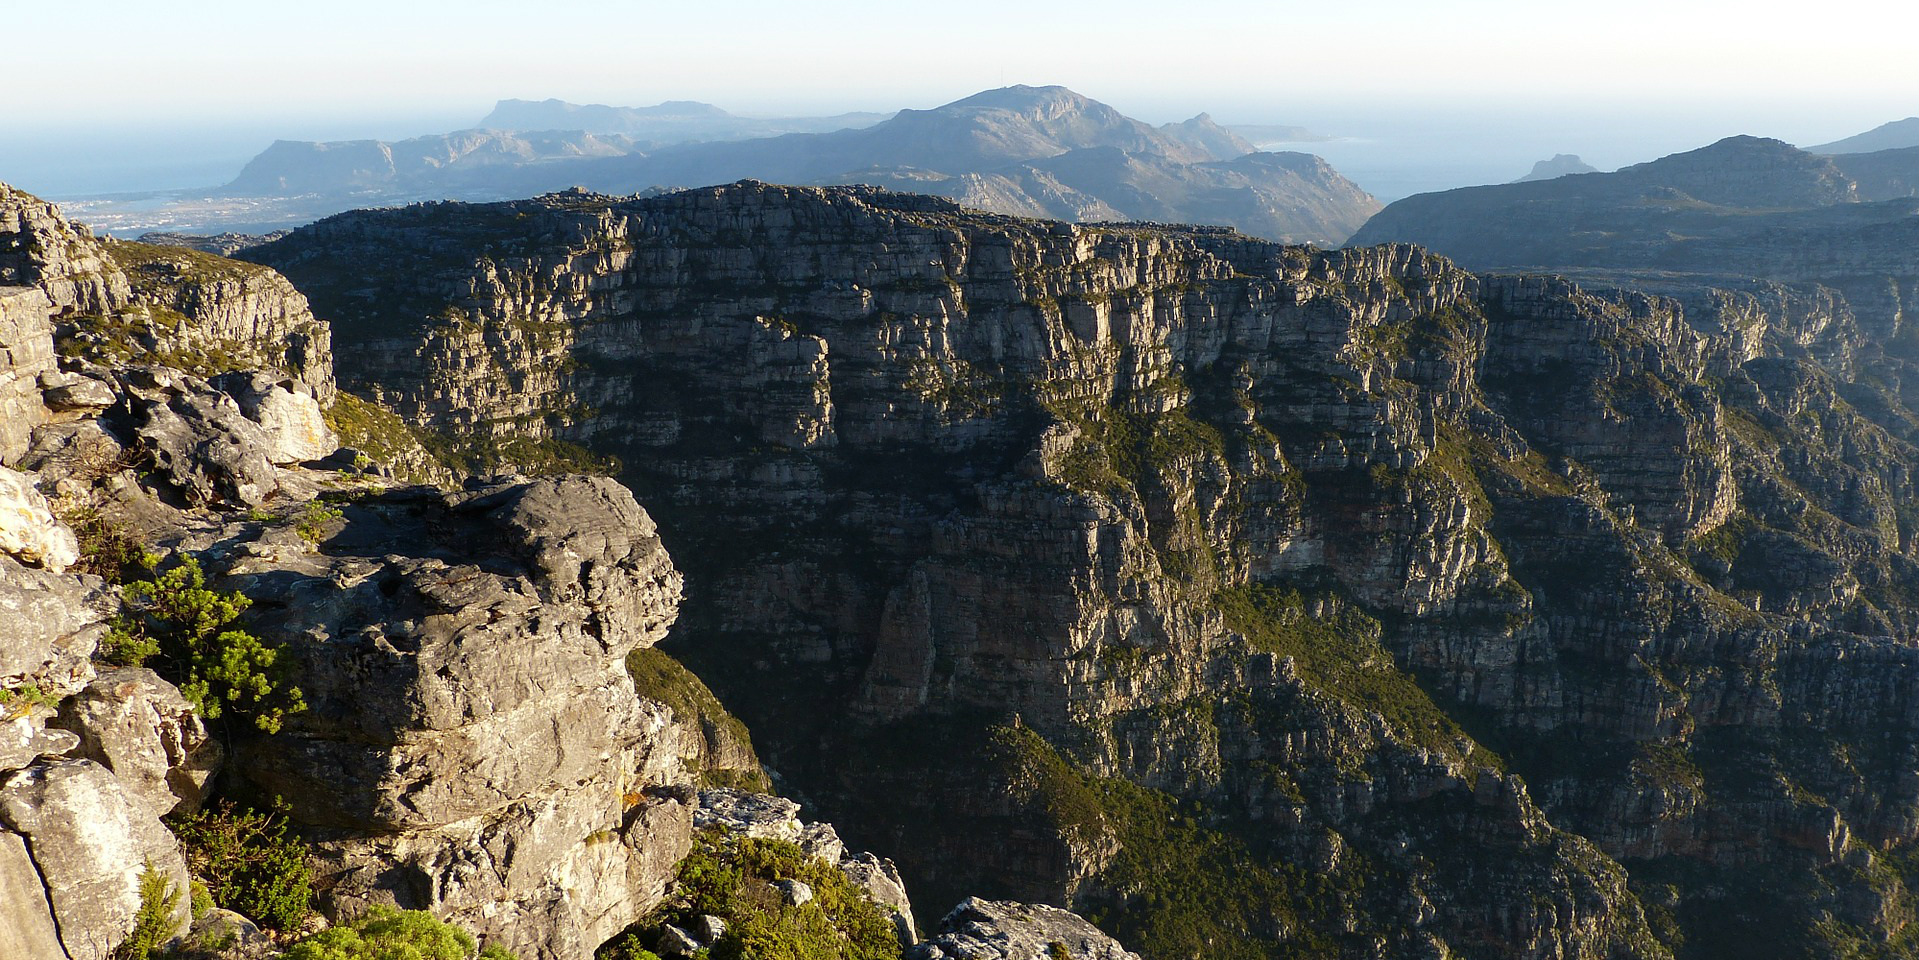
(1561, 165)
(1022, 97)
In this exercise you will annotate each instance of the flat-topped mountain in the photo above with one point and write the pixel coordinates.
(1034, 151)
(675, 121)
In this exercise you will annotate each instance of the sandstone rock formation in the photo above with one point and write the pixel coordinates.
(137, 726)
(1119, 543)
(474, 745)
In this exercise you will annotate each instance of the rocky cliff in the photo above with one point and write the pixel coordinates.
(1252, 599)
(450, 697)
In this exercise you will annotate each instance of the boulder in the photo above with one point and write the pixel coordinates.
(799, 893)
(28, 529)
(89, 844)
(49, 626)
(473, 744)
(224, 935)
(749, 814)
(287, 410)
(23, 739)
(80, 451)
(26, 351)
(140, 727)
(1004, 930)
(198, 439)
(881, 880)
(675, 942)
(80, 395)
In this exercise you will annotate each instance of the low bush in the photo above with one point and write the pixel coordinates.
(389, 934)
(734, 878)
(175, 618)
(250, 863)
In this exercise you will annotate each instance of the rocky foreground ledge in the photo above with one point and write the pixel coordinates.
(467, 737)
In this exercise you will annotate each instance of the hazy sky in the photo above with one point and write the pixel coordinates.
(97, 60)
(241, 73)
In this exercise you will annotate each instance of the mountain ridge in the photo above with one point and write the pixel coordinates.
(1028, 150)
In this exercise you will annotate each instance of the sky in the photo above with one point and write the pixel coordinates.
(202, 84)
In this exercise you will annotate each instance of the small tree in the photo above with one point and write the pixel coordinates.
(175, 618)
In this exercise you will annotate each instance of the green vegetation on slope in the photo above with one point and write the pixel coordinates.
(1340, 653)
(737, 879)
(657, 676)
(1183, 884)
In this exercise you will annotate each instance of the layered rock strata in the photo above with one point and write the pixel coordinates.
(1007, 528)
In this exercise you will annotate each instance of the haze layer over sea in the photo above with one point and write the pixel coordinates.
(1392, 151)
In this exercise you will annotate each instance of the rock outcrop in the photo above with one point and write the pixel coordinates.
(140, 728)
(1000, 930)
(1464, 590)
(777, 818)
(473, 743)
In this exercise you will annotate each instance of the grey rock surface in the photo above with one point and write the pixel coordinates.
(224, 935)
(1004, 930)
(49, 626)
(89, 842)
(474, 745)
(29, 532)
(27, 929)
(295, 426)
(24, 738)
(82, 395)
(139, 727)
(198, 438)
(26, 352)
(675, 942)
(40, 248)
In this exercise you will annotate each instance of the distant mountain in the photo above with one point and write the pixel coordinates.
(1884, 174)
(1203, 134)
(1043, 151)
(456, 162)
(1887, 136)
(1561, 165)
(1656, 213)
(675, 121)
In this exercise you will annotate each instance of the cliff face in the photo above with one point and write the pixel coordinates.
(1382, 605)
(481, 727)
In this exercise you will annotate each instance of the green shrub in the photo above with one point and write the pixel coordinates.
(17, 701)
(155, 923)
(389, 934)
(107, 550)
(625, 948)
(250, 863)
(733, 878)
(312, 523)
(176, 618)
